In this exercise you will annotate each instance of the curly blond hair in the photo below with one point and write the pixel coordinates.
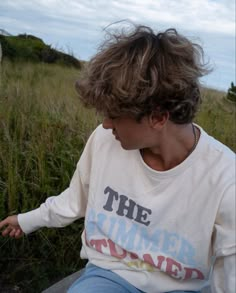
(140, 72)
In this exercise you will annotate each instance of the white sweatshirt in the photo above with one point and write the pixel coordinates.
(158, 230)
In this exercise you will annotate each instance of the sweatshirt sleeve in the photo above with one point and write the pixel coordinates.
(224, 246)
(70, 205)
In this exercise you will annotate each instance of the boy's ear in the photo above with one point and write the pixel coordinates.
(158, 119)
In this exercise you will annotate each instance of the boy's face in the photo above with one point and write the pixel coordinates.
(131, 134)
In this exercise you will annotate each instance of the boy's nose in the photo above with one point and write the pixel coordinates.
(107, 123)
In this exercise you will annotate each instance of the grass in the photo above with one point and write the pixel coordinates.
(217, 116)
(43, 130)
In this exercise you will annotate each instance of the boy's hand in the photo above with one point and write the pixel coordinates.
(11, 227)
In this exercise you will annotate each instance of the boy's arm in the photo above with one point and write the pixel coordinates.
(224, 274)
(57, 211)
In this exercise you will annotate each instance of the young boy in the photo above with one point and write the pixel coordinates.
(157, 192)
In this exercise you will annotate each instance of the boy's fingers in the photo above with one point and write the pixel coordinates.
(6, 231)
(18, 233)
(12, 232)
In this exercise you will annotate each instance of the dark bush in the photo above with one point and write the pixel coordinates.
(7, 49)
(49, 55)
(30, 48)
(231, 94)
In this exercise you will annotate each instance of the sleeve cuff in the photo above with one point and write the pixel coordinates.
(30, 221)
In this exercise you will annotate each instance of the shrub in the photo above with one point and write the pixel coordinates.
(231, 94)
(30, 48)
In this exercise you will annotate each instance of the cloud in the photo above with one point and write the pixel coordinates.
(198, 15)
(79, 24)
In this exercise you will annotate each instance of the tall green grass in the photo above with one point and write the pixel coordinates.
(43, 129)
(217, 116)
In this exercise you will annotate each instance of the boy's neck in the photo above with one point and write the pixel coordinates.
(173, 149)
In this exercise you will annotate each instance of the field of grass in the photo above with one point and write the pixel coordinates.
(217, 116)
(43, 129)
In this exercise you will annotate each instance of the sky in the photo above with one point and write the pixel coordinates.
(77, 26)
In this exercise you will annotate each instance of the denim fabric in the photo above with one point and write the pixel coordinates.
(95, 279)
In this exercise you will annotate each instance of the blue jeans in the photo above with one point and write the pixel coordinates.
(95, 279)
